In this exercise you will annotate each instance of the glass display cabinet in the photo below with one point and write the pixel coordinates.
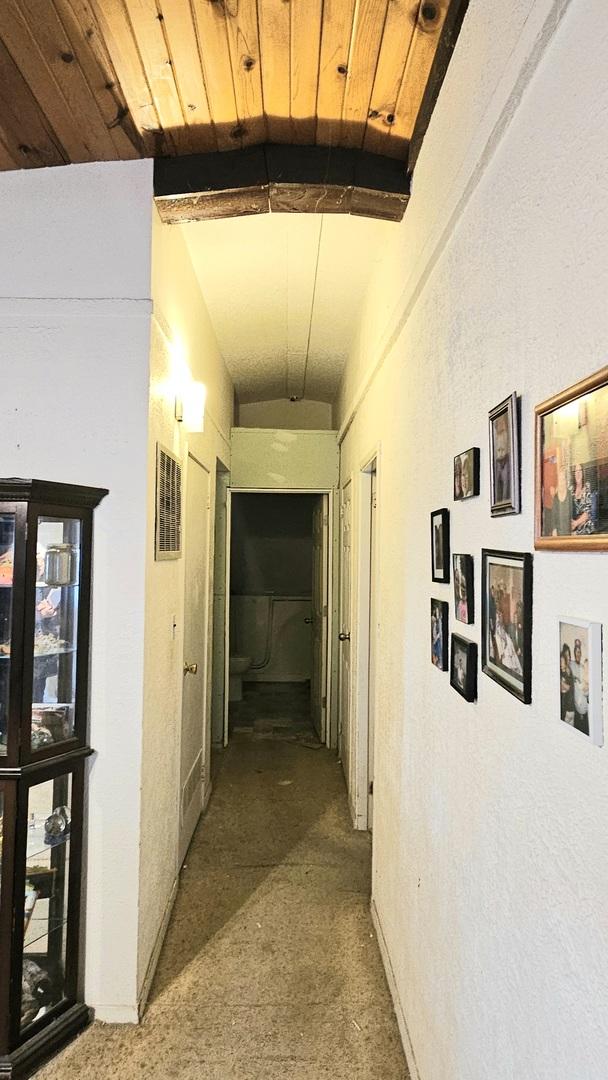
(45, 594)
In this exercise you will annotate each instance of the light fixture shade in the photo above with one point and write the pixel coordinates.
(195, 396)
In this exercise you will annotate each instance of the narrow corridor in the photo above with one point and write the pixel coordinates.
(270, 968)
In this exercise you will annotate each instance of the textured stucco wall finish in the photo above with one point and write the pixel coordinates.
(490, 855)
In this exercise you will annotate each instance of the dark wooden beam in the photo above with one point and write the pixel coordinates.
(289, 179)
(445, 47)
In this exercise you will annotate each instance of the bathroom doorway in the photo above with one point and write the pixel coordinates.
(279, 613)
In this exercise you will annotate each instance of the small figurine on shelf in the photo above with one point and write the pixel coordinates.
(36, 991)
(57, 826)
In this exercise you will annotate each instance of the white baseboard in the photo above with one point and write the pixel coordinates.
(116, 1014)
(408, 1049)
(158, 944)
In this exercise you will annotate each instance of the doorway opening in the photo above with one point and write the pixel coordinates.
(220, 580)
(278, 636)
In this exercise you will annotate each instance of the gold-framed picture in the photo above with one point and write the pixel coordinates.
(571, 453)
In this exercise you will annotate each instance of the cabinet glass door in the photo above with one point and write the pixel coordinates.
(46, 897)
(58, 570)
(7, 551)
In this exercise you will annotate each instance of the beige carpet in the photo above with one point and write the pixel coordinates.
(270, 969)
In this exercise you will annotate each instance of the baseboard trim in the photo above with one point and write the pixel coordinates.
(158, 944)
(116, 1014)
(408, 1049)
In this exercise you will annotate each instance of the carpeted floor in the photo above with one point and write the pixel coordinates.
(270, 969)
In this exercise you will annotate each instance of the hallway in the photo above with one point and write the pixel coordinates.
(270, 968)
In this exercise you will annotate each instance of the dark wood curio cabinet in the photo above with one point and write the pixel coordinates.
(45, 601)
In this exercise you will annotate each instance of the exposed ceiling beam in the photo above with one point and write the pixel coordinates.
(290, 179)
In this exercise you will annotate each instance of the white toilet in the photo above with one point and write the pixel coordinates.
(236, 670)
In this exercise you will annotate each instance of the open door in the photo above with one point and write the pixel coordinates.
(193, 734)
(320, 579)
(227, 619)
(345, 733)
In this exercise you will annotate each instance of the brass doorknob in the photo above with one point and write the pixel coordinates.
(343, 637)
(190, 669)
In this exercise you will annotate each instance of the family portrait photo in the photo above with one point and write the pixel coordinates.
(572, 467)
(463, 588)
(504, 458)
(580, 677)
(466, 474)
(507, 620)
(440, 545)
(439, 634)
(463, 667)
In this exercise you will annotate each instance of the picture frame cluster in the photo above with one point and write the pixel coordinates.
(570, 513)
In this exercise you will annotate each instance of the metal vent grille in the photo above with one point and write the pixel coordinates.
(168, 504)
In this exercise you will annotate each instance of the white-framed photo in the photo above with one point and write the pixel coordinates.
(580, 677)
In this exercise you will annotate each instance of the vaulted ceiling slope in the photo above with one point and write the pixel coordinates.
(89, 80)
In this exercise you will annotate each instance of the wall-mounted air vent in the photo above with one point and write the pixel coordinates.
(168, 505)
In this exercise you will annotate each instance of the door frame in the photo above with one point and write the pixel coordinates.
(365, 637)
(329, 492)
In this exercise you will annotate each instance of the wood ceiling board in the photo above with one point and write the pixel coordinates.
(441, 61)
(212, 34)
(23, 128)
(305, 46)
(274, 24)
(244, 45)
(333, 65)
(158, 66)
(212, 205)
(118, 36)
(427, 32)
(368, 29)
(396, 41)
(182, 45)
(35, 46)
(89, 48)
(7, 161)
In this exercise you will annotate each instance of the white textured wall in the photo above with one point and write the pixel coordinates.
(283, 413)
(73, 407)
(490, 856)
(180, 326)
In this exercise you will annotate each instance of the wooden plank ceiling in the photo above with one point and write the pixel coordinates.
(90, 80)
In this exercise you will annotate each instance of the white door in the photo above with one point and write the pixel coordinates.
(320, 567)
(193, 734)
(373, 629)
(345, 736)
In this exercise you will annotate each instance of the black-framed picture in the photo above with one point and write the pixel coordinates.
(466, 474)
(506, 620)
(505, 464)
(464, 608)
(580, 677)
(440, 545)
(463, 667)
(439, 634)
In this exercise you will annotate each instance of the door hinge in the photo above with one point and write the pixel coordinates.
(324, 703)
(324, 611)
(374, 502)
(371, 787)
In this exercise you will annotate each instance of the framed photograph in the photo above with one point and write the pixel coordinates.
(463, 588)
(571, 503)
(580, 677)
(506, 620)
(466, 474)
(463, 667)
(505, 471)
(439, 634)
(440, 545)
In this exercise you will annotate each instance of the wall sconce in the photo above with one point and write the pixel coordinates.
(190, 407)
